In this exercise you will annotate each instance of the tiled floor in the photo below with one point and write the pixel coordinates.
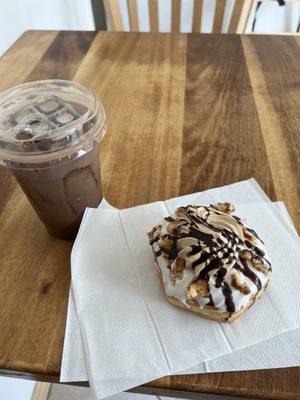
(67, 392)
(15, 389)
(19, 389)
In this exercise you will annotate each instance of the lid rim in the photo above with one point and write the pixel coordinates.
(23, 158)
(76, 115)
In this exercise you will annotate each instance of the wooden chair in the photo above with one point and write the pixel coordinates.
(237, 24)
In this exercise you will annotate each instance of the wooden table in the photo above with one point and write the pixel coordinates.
(185, 113)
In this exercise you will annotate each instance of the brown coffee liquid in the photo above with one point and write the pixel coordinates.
(60, 194)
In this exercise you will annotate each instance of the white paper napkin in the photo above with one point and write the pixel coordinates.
(280, 352)
(154, 332)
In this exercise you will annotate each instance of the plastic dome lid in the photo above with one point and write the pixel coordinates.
(48, 119)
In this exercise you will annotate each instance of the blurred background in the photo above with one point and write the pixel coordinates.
(17, 16)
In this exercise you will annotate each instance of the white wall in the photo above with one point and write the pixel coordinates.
(11, 23)
(17, 16)
(273, 18)
(57, 14)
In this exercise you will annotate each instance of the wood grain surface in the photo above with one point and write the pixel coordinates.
(185, 113)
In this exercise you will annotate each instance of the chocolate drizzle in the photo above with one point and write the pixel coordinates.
(158, 253)
(173, 252)
(220, 276)
(211, 302)
(254, 248)
(152, 241)
(195, 250)
(204, 257)
(227, 292)
(259, 251)
(169, 219)
(249, 274)
(214, 263)
(201, 236)
(254, 234)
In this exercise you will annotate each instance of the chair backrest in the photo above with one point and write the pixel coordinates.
(237, 24)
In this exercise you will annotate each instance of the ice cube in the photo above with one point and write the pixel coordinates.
(48, 107)
(65, 118)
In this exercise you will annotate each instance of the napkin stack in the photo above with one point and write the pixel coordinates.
(121, 332)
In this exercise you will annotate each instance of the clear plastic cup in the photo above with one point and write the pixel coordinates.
(49, 139)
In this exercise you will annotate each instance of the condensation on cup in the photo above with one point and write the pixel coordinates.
(49, 139)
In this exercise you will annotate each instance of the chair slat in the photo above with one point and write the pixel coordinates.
(153, 15)
(238, 21)
(219, 15)
(113, 13)
(176, 12)
(133, 15)
(240, 16)
(197, 15)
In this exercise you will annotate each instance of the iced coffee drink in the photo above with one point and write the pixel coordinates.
(49, 139)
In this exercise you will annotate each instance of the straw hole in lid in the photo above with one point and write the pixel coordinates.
(23, 133)
(34, 122)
